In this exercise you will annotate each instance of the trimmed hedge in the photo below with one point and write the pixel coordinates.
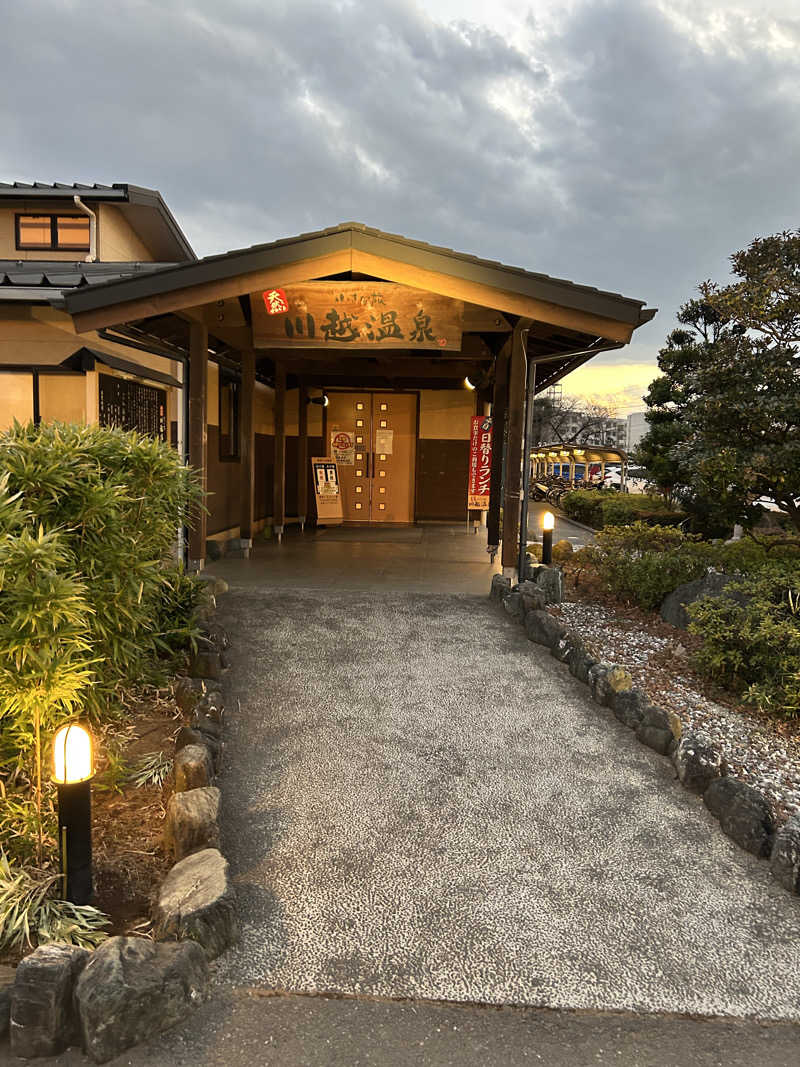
(600, 508)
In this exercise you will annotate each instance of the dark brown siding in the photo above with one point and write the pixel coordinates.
(224, 483)
(265, 465)
(292, 449)
(442, 468)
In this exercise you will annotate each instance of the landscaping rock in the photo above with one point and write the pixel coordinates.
(194, 768)
(785, 859)
(698, 763)
(197, 903)
(580, 662)
(191, 822)
(206, 725)
(541, 627)
(501, 586)
(629, 706)
(206, 662)
(563, 647)
(212, 706)
(513, 604)
(187, 735)
(595, 679)
(551, 581)
(216, 585)
(615, 680)
(43, 1021)
(743, 813)
(188, 691)
(674, 604)
(216, 634)
(6, 982)
(533, 598)
(660, 741)
(133, 988)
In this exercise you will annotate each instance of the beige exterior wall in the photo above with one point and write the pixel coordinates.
(117, 241)
(62, 397)
(16, 398)
(444, 414)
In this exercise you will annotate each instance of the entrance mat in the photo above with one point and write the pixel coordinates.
(390, 535)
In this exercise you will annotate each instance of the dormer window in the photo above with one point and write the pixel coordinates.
(56, 233)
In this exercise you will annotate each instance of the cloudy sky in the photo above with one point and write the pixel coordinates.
(626, 144)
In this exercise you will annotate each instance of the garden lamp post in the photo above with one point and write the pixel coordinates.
(72, 772)
(548, 522)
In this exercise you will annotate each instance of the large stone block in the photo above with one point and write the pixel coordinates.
(6, 982)
(187, 735)
(629, 706)
(192, 821)
(187, 692)
(43, 1021)
(206, 662)
(595, 679)
(132, 988)
(194, 768)
(785, 859)
(563, 647)
(580, 662)
(216, 634)
(501, 586)
(616, 680)
(674, 605)
(206, 724)
(197, 903)
(743, 813)
(513, 604)
(551, 581)
(533, 598)
(698, 762)
(542, 628)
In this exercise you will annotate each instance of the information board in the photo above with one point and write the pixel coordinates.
(327, 492)
(480, 463)
(133, 406)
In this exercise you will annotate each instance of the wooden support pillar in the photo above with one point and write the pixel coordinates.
(198, 436)
(247, 411)
(279, 468)
(302, 454)
(499, 408)
(513, 464)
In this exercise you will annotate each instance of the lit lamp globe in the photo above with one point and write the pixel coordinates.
(73, 767)
(548, 522)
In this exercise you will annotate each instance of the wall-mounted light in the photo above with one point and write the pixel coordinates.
(73, 768)
(322, 400)
(468, 384)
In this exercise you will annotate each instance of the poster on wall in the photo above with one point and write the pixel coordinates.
(384, 439)
(343, 447)
(480, 463)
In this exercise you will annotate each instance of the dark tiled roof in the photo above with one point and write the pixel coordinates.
(118, 191)
(356, 234)
(53, 277)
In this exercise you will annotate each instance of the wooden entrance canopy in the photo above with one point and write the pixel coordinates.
(353, 306)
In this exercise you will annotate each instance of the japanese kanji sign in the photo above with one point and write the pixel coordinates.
(343, 447)
(480, 462)
(355, 314)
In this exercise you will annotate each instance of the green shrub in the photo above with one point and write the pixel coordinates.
(116, 500)
(751, 635)
(642, 563)
(600, 508)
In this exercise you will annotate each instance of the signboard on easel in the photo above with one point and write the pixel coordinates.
(327, 491)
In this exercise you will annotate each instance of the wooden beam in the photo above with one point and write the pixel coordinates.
(457, 370)
(513, 465)
(247, 410)
(484, 320)
(279, 467)
(499, 409)
(302, 453)
(486, 296)
(209, 292)
(198, 436)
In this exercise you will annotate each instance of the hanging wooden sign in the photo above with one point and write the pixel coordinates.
(355, 315)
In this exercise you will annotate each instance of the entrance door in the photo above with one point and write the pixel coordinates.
(379, 486)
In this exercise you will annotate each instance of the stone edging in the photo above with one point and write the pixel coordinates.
(744, 813)
(130, 988)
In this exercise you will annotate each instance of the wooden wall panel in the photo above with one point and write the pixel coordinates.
(442, 468)
(224, 482)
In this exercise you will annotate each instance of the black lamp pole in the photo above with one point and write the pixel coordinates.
(75, 839)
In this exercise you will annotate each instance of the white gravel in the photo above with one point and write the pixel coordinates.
(754, 747)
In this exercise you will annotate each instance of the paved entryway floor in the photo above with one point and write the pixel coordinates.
(420, 803)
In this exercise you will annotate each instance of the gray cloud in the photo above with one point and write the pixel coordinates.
(612, 144)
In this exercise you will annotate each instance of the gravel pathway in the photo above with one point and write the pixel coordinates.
(755, 748)
(420, 803)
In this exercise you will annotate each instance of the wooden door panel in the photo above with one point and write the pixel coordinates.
(393, 471)
(344, 412)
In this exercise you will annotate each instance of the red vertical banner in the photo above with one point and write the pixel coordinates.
(480, 463)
